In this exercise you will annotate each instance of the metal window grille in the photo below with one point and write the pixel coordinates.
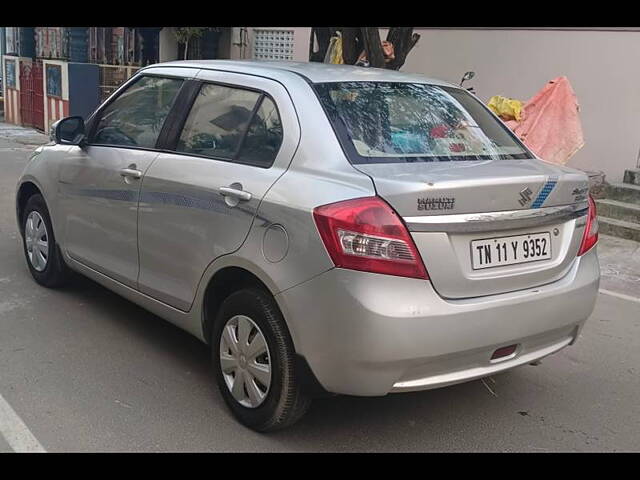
(12, 36)
(114, 46)
(52, 42)
(97, 44)
(11, 40)
(272, 44)
(111, 77)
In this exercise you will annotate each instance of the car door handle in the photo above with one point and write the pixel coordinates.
(235, 193)
(130, 172)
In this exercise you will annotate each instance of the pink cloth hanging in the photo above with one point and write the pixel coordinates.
(550, 124)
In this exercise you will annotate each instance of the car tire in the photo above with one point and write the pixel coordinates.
(46, 264)
(284, 402)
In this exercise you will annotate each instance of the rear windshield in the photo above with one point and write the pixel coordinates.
(386, 122)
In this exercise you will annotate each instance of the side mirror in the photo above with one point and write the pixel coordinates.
(467, 76)
(68, 131)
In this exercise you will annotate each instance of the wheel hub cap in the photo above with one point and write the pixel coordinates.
(245, 361)
(37, 241)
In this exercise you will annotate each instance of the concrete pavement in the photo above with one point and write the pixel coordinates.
(86, 370)
(619, 265)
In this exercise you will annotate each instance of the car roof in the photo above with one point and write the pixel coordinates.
(314, 72)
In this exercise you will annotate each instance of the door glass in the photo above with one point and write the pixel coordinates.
(136, 117)
(264, 136)
(217, 121)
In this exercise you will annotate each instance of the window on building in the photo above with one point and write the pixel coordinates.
(217, 121)
(10, 68)
(111, 77)
(11, 40)
(272, 44)
(52, 42)
(115, 45)
(54, 80)
(136, 117)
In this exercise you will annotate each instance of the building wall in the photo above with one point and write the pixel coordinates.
(602, 66)
(2, 49)
(237, 43)
(54, 46)
(224, 43)
(168, 45)
(56, 107)
(84, 98)
(301, 37)
(11, 94)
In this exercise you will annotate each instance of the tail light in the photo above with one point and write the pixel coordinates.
(590, 237)
(367, 234)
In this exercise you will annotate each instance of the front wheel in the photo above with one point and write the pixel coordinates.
(43, 255)
(253, 359)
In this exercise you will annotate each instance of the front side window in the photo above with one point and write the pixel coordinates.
(135, 118)
(218, 121)
(404, 122)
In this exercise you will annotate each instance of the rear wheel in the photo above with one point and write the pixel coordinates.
(41, 251)
(253, 359)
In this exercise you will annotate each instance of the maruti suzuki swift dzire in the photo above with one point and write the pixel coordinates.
(324, 228)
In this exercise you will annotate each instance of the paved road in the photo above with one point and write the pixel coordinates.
(619, 265)
(86, 370)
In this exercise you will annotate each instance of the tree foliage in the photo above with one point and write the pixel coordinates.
(356, 40)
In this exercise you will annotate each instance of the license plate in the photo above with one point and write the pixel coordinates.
(497, 252)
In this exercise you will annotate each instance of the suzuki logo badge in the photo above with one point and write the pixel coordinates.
(525, 196)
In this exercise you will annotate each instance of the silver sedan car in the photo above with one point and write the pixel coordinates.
(326, 229)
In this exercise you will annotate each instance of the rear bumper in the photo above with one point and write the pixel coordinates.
(369, 334)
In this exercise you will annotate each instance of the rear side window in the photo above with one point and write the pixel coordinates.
(217, 121)
(264, 136)
(234, 124)
(135, 118)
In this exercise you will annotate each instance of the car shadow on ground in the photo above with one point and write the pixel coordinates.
(140, 323)
(336, 423)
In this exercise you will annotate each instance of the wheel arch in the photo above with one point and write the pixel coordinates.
(223, 283)
(230, 279)
(25, 191)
